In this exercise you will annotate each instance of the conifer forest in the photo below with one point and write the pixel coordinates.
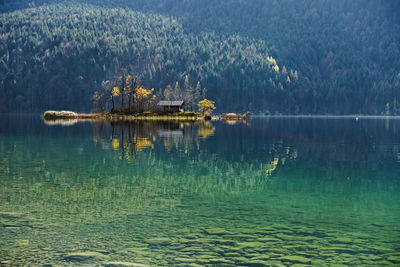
(264, 56)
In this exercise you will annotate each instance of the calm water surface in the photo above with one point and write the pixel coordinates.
(273, 192)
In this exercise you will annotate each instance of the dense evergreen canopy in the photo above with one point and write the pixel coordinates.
(288, 56)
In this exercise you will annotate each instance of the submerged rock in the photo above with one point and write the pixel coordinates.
(252, 246)
(295, 237)
(268, 239)
(122, 264)
(232, 254)
(256, 263)
(295, 259)
(231, 248)
(85, 256)
(181, 260)
(189, 241)
(11, 215)
(225, 242)
(276, 264)
(135, 250)
(22, 242)
(13, 220)
(342, 240)
(370, 258)
(158, 241)
(192, 249)
(261, 257)
(16, 224)
(216, 231)
(380, 249)
(220, 261)
(242, 236)
(394, 259)
(378, 224)
(205, 256)
(339, 250)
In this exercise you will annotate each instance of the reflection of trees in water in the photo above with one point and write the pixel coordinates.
(191, 165)
(102, 178)
(206, 129)
(328, 149)
(310, 149)
(298, 156)
(129, 138)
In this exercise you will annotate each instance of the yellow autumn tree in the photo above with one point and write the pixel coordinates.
(272, 61)
(276, 68)
(142, 95)
(115, 92)
(206, 107)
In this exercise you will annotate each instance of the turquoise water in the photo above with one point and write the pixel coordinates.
(272, 192)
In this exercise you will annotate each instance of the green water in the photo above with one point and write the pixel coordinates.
(273, 192)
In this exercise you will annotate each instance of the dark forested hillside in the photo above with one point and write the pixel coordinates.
(57, 56)
(287, 56)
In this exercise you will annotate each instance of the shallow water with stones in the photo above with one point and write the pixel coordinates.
(269, 192)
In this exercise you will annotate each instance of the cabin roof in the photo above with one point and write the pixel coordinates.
(171, 103)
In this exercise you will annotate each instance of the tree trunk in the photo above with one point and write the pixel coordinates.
(123, 92)
(133, 89)
(130, 98)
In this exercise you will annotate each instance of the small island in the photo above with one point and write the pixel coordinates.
(125, 99)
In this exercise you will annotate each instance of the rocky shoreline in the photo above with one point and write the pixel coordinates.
(69, 115)
(52, 115)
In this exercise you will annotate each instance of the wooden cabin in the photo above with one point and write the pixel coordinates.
(171, 106)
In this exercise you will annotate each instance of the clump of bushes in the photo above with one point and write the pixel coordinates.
(231, 116)
(187, 114)
(53, 115)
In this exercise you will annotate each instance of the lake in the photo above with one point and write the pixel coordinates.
(274, 191)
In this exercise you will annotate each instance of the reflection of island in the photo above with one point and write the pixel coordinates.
(280, 147)
(129, 138)
(170, 133)
(61, 122)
